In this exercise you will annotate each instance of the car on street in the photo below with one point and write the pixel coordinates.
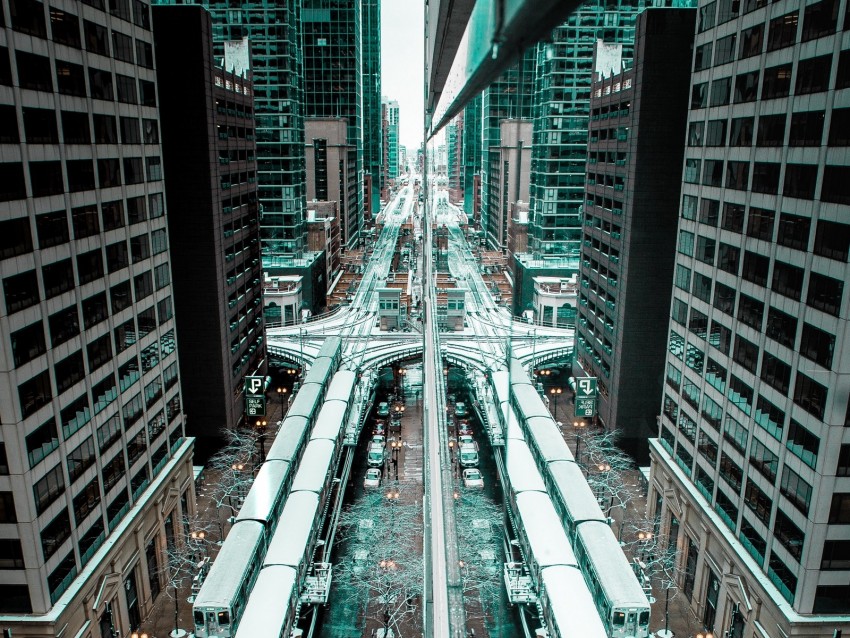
(466, 439)
(376, 456)
(472, 478)
(380, 428)
(463, 427)
(373, 477)
(468, 456)
(460, 409)
(383, 409)
(379, 439)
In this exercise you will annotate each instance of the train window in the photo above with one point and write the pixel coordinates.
(619, 618)
(199, 618)
(644, 618)
(223, 618)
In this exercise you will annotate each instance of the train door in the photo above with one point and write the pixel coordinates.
(631, 623)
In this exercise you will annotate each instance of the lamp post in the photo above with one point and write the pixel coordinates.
(261, 426)
(281, 393)
(577, 425)
(555, 392)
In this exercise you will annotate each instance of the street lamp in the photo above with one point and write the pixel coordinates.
(281, 392)
(261, 426)
(577, 425)
(555, 392)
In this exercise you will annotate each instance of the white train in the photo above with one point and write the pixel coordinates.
(309, 439)
(533, 437)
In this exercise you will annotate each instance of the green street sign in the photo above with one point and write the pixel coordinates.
(586, 388)
(255, 406)
(585, 408)
(255, 386)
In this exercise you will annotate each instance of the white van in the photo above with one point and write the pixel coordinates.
(468, 455)
(376, 456)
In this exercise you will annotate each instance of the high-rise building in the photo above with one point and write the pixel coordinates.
(371, 10)
(471, 177)
(333, 88)
(274, 33)
(510, 164)
(750, 471)
(207, 117)
(637, 139)
(391, 122)
(509, 97)
(95, 473)
(454, 150)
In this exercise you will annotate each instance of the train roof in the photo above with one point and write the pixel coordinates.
(514, 429)
(342, 386)
(501, 384)
(528, 400)
(571, 606)
(314, 465)
(296, 522)
(518, 373)
(574, 492)
(548, 439)
(331, 347)
(330, 421)
(522, 470)
(267, 609)
(321, 369)
(265, 492)
(546, 537)
(305, 400)
(223, 581)
(611, 566)
(289, 438)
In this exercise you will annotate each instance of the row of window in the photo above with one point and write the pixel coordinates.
(41, 127)
(831, 239)
(806, 129)
(813, 75)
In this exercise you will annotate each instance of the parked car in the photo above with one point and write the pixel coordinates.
(379, 439)
(383, 409)
(466, 439)
(460, 409)
(463, 428)
(376, 456)
(468, 455)
(373, 477)
(472, 478)
(380, 428)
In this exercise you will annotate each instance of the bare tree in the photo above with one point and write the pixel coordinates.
(230, 472)
(381, 572)
(186, 560)
(479, 524)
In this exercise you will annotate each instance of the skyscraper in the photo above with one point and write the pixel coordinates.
(371, 22)
(750, 469)
(471, 177)
(91, 443)
(392, 138)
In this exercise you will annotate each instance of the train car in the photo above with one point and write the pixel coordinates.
(290, 440)
(270, 612)
(330, 421)
(573, 499)
(522, 471)
(542, 537)
(316, 468)
(567, 606)
(518, 373)
(342, 386)
(546, 441)
(527, 402)
(294, 542)
(621, 601)
(514, 430)
(267, 494)
(307, 401)
(321, 372)
(219, 604)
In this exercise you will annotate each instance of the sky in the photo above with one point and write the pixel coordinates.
(402, 63)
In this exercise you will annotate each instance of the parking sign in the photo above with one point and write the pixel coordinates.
(587, 391)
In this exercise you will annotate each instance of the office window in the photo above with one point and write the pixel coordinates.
(836, 555)
(154, 168)
(40, 126)
(686, 242)
(150, 130)
(706, 16)
(727, 10)
(810, 395)
(835, 180)
(751, 41)
(813, 75)
(96, 38)
(775, 372)
(788, 534)
(731, 473)
(11, 555)
(87, 500)
(80, 175)
(34, 72)
(689, 207)
(90, 266)
(782, 31)
(712, 174)
(787, 280)
(80, 459)
(21, 291)
(715, 374)
(70, 79)
(803, 444)
(702, 287)
(758, 502)
(832, 240)
(48, 489)
(112, 214)
(839, 129)
(737, 175)
(746, 87)
(46, 178)
(746, 354)
(140, 247)
(771, 132)
(146, 322)
(683, 277)
(733, 217)
(28, 17)
(147, 93)
(842, 79)
(781, 327)
(819, 19)
(130, 131)
(795, 489)
(117, 256)
(702, 57)
(99, 352)
(122, 47)
(75, 128)
(15, 237)
(108, 172)
(740, 394)
(750, 311)
(159, 241)
(136, 210)
(55, 533)
(705, 250)
(5, 67)
(764, 460)
(760, 223)
(807, 129)
(120, 296)
(105, 131)
(679, 311)
(699, 96)
(156, 205)
(133, 170)
(143, 285)
(724, 51)
(728, 258)
(800, 180)
(839, 512)
(8, 125)
(720, 91)
(144, 54)
(64, 325)
(100, 84)
(692, 168)
(126, 87)
(793, 231)
(825, 293)
(716, 133)
(776, 82)
(724, 298)
(755, 268)
(58, 278)
(817, 345)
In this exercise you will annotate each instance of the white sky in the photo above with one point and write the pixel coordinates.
(402, 62)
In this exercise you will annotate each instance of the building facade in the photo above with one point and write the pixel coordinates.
(751, 471)
(95, 471)
(508, 174)
(391, 122)
(207, 117)
(454, 155)
(332, 173)
(371, 21)
(636, 141)
(471, 145)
